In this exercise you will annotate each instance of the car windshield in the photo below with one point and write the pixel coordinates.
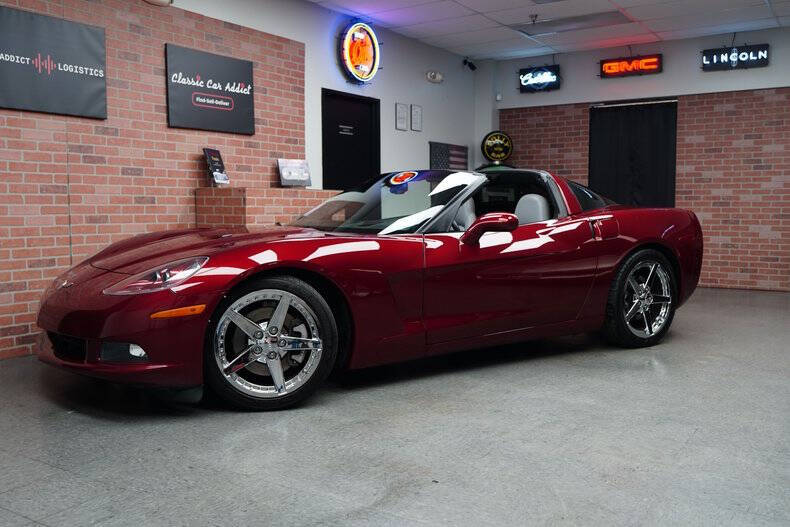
(400, 202)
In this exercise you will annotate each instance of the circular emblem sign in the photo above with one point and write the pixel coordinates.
(497, 146)
(359, 52)
(402, 177)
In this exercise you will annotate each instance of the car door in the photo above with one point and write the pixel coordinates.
(536, 275)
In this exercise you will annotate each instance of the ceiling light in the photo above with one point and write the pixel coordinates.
(573, 23)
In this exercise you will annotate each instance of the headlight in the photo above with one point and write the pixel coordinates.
(160, 278)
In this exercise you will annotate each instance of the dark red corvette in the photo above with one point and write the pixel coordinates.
(414, 264)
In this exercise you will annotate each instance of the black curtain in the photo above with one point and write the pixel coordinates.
(632, 153)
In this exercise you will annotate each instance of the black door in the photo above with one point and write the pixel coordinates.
(632, 153)
(351, 139)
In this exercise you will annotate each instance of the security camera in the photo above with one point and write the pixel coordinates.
(469, 64)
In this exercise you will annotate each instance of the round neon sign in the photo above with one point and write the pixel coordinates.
(359, 52)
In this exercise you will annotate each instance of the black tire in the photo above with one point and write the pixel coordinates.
(616, 329)
(222, 386)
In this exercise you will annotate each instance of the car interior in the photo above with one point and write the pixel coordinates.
(524, 194)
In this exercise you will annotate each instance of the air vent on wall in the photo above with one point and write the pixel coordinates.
(573, 23)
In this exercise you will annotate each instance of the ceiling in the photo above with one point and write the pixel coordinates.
(502, 29)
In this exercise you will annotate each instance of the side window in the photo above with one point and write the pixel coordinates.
(523, 194)
(588, 200)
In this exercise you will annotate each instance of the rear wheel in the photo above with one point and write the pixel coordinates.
(641, 301)
(271, 344)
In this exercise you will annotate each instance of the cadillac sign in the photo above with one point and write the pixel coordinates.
(739, 57)
(543, 78)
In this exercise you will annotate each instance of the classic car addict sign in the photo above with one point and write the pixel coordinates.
(51, 65)
(740, 57)
(209, 92)
(543, 78)
(497, 146)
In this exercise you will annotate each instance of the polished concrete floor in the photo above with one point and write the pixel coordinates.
(695, 431)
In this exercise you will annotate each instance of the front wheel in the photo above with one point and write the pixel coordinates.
(270, 344)
(641, 301)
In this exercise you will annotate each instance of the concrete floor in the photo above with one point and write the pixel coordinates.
(695, 431)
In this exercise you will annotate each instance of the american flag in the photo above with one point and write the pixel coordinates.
(446, 156)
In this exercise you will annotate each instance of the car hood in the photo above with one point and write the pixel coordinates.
(146, 251)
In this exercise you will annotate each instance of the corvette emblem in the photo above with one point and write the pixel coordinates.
(63, 284)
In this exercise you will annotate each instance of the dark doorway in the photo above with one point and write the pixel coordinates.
(351, 139)
(632, 153)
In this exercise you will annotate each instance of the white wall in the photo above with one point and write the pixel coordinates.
(681, 75)
(448, 108)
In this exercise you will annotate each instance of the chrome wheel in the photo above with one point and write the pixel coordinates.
(267, 343)
(648, 299)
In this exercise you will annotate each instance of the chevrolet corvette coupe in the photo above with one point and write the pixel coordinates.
(410, 265)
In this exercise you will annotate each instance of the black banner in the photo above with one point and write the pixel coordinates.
(209, 92)
(542, 78)
(51, 65)
(735, 58)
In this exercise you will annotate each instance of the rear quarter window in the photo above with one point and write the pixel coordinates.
(588, 200)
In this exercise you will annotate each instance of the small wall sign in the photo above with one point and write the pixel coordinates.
(359, 52)
(401, 116)
(497, 146)
(416, 117)
(216, 168)
(628, 66)
(542, 78)
(735, 58)
(294, 172)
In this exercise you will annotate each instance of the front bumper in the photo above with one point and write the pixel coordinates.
(77, 319)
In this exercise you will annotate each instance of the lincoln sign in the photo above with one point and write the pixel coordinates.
(740, 57)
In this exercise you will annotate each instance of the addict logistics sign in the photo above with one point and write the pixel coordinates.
(51, 65)
(209, 92)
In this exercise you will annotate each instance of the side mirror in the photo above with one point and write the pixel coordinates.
(491, 222)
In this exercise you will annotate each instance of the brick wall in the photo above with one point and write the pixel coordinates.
(555, 138)
(69, 186)
(733, 171)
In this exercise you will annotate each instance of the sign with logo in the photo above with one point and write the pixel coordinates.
(359, 52)
(628, 66)
(543, 78)
(51, 65)
(739, 57)
(403, 177)
(209, 92)
(497, 146)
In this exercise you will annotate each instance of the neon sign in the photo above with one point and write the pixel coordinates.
(543, 78)
(359, 52)
(740, 57)
(627, 66)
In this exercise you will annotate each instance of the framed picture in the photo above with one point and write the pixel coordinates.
(416, 117)
(401, 116)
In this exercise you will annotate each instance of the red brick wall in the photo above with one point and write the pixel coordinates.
(555, 138)
(69, 186)
(733, 171)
